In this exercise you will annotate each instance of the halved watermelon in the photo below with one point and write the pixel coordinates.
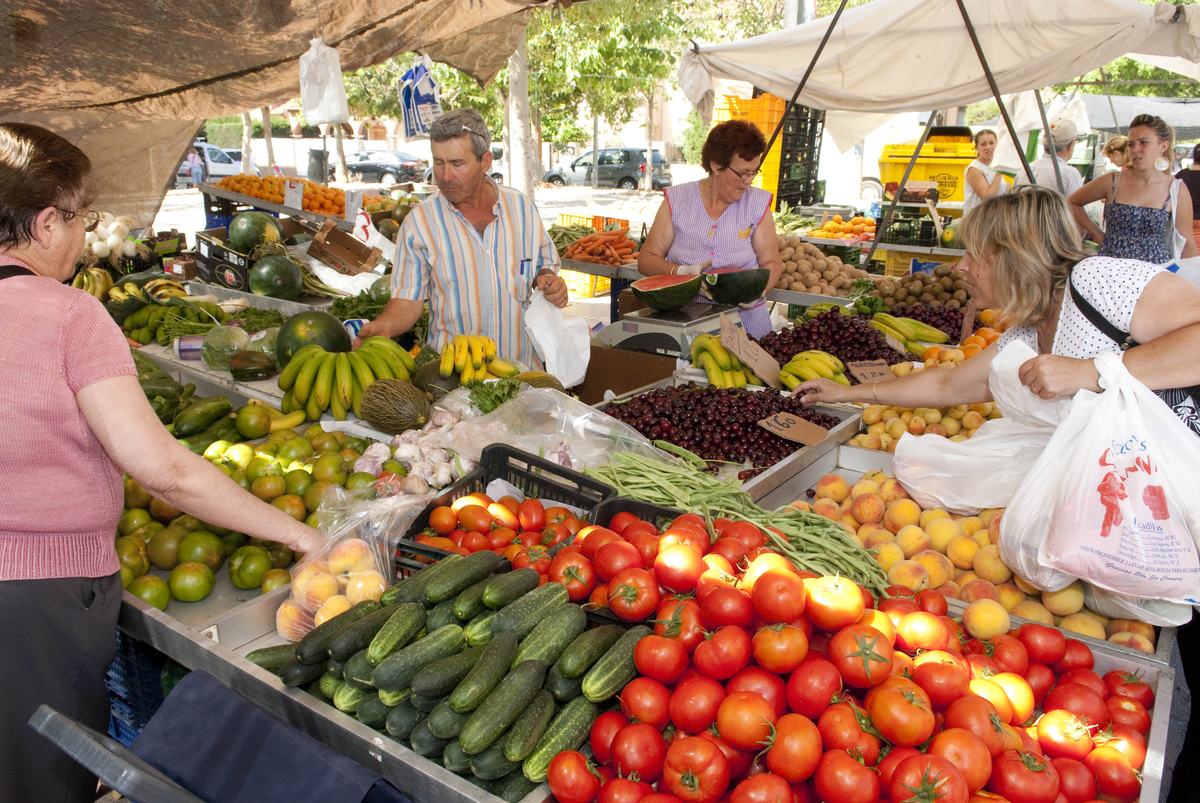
(735, 285)
(666, 292)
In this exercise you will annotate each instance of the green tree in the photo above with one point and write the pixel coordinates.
(1129, 77)
(693, 137)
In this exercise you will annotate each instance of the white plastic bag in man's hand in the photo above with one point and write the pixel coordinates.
(322, 91)
(985, 470)
(565, 346)
(1112, 498)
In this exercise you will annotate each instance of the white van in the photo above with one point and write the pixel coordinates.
(217, 164)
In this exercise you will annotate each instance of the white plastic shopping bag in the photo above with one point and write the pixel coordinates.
(322, 90)
(565, 346)
(1112, 500)
(985, 470)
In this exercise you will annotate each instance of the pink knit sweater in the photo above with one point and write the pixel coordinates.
(60, 493)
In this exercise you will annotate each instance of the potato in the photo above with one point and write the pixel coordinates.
(786, 253)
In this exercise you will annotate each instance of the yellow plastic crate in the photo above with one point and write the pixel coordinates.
(944, 159)
(585, 285)
(898, 262)
(597, 222)
(765, 112)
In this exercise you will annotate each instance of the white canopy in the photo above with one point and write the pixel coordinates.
(915, 55)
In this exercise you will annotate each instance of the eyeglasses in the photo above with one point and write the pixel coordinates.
(466, 129)
(744, 175)
(91, 220)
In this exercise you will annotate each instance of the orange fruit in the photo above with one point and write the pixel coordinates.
(931, 353)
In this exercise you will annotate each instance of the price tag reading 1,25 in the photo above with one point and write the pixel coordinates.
(794, 428)
(868, 371)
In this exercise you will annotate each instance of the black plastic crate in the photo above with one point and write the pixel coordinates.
(134, 684)
(919, 231)
(219, 212)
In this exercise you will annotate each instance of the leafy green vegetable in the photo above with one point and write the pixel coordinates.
(364, 305)
(862, 293)
(487, 396)
(253, 319)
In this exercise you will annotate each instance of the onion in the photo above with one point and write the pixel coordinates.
(119, 229)
(129, 248)
(100, 249)
(101, 231)
(115, 243)
(89, 237)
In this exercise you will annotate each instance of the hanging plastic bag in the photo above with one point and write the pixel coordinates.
(565, 346)
(322, 91)
(1109, 501)
(985, 470)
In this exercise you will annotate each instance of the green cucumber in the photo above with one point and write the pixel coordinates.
(446, 585)
(424, 704)
(347, 698)
(615, 668)
(505, 588)
(398, 669)
(441, 676)
(358, 634)
(479, 630)
(562, 688)
(402, 625)
(492, 764)
(412, 588)
(294, 673)
(358, 671)
(513, 787)
(335, 667)
(401, 720)
(567, 731)
(469, 603)
(372, 712)
(199, 415)
(329, 684)
(455, 760)
(425, 743)
(551, 636)
(522, 615)
(272, 659)
(502, 707)
(314, 647)
(489, 669)
(587, 648)
(444, 721)
(394, 698)
(439, 615)
(527, 731)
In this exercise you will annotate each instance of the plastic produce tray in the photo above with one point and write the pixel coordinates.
(134, 683)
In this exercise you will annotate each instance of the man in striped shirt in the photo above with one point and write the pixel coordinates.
(474, 251)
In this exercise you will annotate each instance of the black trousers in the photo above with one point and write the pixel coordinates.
(1185, 781)
(58, 639)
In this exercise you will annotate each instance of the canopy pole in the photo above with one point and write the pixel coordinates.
(1037, 93)
(1112, 107)
(991, 79)
(804, 79)
(891, 210)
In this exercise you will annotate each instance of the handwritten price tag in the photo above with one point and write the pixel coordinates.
(293, 193)
(734, 338)
(868, 371)
(354, 199)
(794, 428)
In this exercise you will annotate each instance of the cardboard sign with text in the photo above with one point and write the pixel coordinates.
(293, 193)
(794, 428)
(354, 202)
(734, 338)
(868, 371)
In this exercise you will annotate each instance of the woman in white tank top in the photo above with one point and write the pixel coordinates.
(981, 181)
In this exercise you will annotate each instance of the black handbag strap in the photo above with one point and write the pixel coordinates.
(13, 270)
(1122, 339)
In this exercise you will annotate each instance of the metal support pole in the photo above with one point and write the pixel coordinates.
(1037, 93)
(1112, 107)
(891, 210)
(991, 79)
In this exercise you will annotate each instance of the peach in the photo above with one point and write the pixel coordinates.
(334, 606)
(315, 590)
(901, 513)
(864, 486)
(957, 411)
(362, 586)
(989, 566)
(853, 536)
(1034, 611)
(890, 490)
(912, 539)
(868, 508)
(1065, 601)
(988, 513)
(951, 589)
(872, 414)
(1025, 585)
(970, 524)
(350, 555)
(896, 428)
(888, 555)
(910, 574)
(873, 440)
(828, 508)
(961, 551)
(972, 420)
(850, 524)
(937, 566)
(873, 535)
(952, 426)
(801, 504)
(832, 486)
(876, 476)
(292, 621)
(1133, 641)
(1116, 626)
(942, 532)
(933, 514)
(964, 577)
(982, 537)
(978, 589)
(1083, 623)
(1009, 595)
(993, 534)
(985, 619)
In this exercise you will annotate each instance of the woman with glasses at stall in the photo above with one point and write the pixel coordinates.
(720, 221)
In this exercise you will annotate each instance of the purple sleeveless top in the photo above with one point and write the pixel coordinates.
(726, 241)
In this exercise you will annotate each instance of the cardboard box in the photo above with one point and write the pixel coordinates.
(217, 263)
(621, 370)
(342, 251)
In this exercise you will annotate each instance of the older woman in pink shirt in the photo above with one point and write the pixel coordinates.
(75, 418)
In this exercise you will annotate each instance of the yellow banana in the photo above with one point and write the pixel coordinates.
(802, 371)
(468, 374)
(502, 368)
(290, 421)
(287, 377)
(727, 376)
(302, 388)
(739, 378)
(311, 411)
(336, 408)
(483, 375)
(823, 369)
(288, 404)
(711, 369)
(489, 349)
(446, 366)
(790, 382)
(752, 379)
(323, 387)
(462, 353)
(825, 358)
(734, 363)
(356, 396)
(475, 343)
(360, 370)
(721, 355)
(342, 374)
(841, 379)
(379, 366)
(901, 325)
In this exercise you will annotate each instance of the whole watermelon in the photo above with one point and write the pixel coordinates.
(381, 289)
(313, 326)
(249, 229)
(277, 277)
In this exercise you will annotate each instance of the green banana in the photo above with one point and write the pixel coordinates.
(323, 386)
(360, 370)
(925, 332)
(303, 386)
(378, 365)
(389, 358)
(343, 375)
(287, 377)
(356, 396)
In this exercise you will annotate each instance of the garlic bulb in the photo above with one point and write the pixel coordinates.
(442, 418)
(443, 476)
(435, 455)
(406, 453)
(413, 485)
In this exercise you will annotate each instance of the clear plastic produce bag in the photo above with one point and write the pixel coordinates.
(985, 470)
(1111, 500)
(353, 565)
(564, 345)
(322, 90)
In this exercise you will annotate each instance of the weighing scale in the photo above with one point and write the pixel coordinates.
(659, 332)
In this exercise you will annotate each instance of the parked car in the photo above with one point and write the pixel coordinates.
(499, 168)
(218, 162)
(385, 167)
(619, 167)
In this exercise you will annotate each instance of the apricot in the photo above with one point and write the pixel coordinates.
(979, 589)
(1009, 595)
(1065, 601)
(316, 589)
(901, 513)
(350, 555)
(961, 551)
(910, 574)
(937, 566)
(942, 531)
(1034, 611)
(902, 369)
(828, 508)
(864, 486)
(989, 566)
(872, 414)
(1116, 626)
(912, 539)
(292, 621)
(334, 606)
(933, 514)
(1083, 623)
(896, 428)
(832, 486)
(936, 429)
(868, 508)
(952, 426)
(1133, 641)
(873, 440)
(985, 619)
(362, 586)
(972, 420)
(888, 555)
(801, 504)
(957, 411)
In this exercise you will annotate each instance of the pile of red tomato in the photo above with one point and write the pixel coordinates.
(764, 684)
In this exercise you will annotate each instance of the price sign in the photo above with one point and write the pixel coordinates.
(868, 371)
(794, 428)
(293, 193)
(354, 199)
(750, 353)
(968, 324)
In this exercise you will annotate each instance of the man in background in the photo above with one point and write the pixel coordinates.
(1060, 145)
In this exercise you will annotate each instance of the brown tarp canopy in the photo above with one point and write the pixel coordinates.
(131, 82)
